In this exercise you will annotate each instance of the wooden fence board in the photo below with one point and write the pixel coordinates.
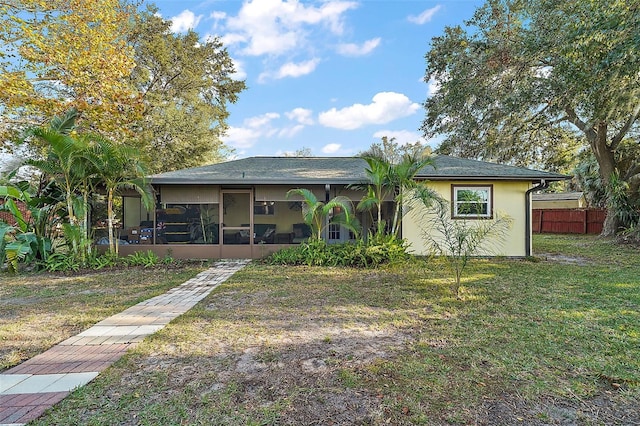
(567, 221)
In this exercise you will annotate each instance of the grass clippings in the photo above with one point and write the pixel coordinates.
(534, 342)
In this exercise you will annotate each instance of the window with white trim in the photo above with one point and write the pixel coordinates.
(472, 202)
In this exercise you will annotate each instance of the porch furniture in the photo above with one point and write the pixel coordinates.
(284, 238)
(264, 233)
(301, 233)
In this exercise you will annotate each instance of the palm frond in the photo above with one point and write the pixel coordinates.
(65, 123)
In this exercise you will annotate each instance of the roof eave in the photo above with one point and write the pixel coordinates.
(252, 182)
(500, 178)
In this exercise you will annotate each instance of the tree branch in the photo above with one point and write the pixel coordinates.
(623, 131)
(633, 170)
(166, 84)
(573, 118)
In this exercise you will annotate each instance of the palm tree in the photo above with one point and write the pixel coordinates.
(386, 178)
(378, 188)
(67, 164)
(315, 212)
(401, 178)
(119, 167)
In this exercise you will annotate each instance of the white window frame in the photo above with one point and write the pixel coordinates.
(455, 214)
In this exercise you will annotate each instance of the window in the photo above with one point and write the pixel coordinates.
(334, 231)
(264, 208)
(472, 201)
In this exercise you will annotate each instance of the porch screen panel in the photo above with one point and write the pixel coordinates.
(133, 211)
(190, 194)
(279, 193)
(352, 194)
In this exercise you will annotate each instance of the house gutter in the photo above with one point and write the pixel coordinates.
(527, 203)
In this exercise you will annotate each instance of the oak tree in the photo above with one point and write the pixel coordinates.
(525, 80)
(186, 85)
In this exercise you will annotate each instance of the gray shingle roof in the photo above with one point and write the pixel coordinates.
(337, 170)
(551, 196)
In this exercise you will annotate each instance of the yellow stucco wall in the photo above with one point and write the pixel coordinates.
(508, 199)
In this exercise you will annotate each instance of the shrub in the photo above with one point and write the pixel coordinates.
(146, 259)
(106, 260)
(21, 247)
(62, 262)
(377, 251)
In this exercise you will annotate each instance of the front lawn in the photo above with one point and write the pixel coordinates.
(39, 310)
(552, 341)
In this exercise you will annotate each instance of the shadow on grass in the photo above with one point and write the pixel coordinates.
(308, 345)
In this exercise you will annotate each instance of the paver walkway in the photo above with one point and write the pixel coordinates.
(28, 389)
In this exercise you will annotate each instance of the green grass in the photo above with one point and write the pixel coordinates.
(38, 311)
(529, 341)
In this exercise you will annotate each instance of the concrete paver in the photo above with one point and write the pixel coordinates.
(29, 389)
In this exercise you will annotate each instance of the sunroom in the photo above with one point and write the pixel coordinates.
(239, 209)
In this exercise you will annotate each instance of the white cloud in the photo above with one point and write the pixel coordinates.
(331, 148)
(264, 126)
(277, 26)
(261, 120)
(352, 49)
(218, 19)
(425, 16)
(186, 20)
(217, 15)
(433, 86)
(291, 69)
(241, 137)
(229, 39)
(386, 107)
(252, 130)
(301, 115)
(289, 132)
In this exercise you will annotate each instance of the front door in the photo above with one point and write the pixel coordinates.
(236, 217)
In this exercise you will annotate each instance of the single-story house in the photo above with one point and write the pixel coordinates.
(559, 200)
(239, 208)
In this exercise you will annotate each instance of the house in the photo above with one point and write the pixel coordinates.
(239, 208)
(559, 200)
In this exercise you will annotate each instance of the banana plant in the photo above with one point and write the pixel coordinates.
(19, 242)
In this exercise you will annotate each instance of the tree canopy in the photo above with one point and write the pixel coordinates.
(63, 54)
(129, 77)
(530, 81)
(392, 152)
(185, 85)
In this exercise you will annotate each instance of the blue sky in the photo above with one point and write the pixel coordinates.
(332, 76)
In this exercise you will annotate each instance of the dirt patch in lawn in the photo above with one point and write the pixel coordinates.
(565, 259)
(607, 408)
(304, 371)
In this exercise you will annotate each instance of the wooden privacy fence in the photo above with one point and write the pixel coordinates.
(568, 221)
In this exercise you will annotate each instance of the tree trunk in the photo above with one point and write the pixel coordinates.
(113, 246)
(607, 165)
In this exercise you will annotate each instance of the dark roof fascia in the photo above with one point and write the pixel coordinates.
(495, 178)
(251, 182)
